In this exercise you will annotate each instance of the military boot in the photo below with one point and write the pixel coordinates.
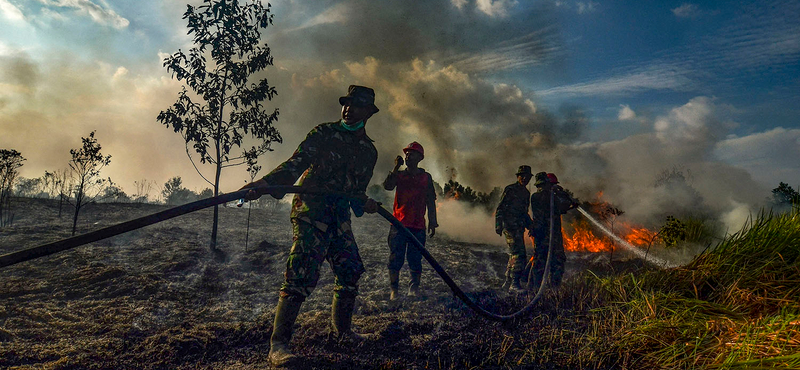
(285, 315)
(342, 318)
(413, 285)
(506, 284)
(394, 284)
(515, 287)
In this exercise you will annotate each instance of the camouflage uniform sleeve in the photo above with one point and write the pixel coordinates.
(563, 202)
(501, 210)
(289, 171)
(357, 205)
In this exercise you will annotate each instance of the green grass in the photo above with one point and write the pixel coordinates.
(737, 306)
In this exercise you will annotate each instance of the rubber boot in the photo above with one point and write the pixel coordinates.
(394, 284)
(285, 315)
(515, 287)
(413, 285)
(342, 318)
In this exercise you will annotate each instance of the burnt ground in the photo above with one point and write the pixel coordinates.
(156, 298)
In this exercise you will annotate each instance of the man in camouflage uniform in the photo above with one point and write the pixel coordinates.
(540, 209)
(338, 157)
(511, 220)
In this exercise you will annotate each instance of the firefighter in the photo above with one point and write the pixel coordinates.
(511, 220)
(415, 193)
(336, 156)
(546, 184)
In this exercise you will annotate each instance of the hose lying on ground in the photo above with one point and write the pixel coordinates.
(107, 232)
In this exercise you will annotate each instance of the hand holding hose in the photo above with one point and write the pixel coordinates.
(256, 190)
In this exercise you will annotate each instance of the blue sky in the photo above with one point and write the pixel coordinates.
(598, 91)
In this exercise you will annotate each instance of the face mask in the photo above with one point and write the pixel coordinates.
(354, 127)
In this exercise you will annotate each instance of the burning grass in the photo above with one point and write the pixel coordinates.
(159, 300)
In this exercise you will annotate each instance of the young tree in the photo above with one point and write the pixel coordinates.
(143, 189)
(85, 166)
(10, 161)
(224, 106)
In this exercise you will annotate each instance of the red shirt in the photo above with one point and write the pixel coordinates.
(410, 198)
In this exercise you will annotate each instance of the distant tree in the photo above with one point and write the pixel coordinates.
(229, 107)
(63, 184)
(85, 167)
(784, 195)
(28, 188)
(10, 161)
(113, 193)
(143, 189)
(175, 194)
(205, 193)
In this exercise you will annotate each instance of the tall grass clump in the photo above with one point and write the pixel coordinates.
(736, 306)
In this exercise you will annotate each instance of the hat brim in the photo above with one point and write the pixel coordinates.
(524, 173)
(344, 99)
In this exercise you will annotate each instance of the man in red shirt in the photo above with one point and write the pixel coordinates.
(414, 194)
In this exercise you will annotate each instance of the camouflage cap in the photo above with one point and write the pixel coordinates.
(360, 96)
(524, 170)
(541, 179)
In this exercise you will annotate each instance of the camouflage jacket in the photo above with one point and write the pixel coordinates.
(330, 158)
(512, 212)
(540, 207)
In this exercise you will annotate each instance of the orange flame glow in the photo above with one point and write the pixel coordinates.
(583, 239)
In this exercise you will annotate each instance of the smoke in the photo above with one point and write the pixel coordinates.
(464, 223)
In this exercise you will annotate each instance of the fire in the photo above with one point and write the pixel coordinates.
(583, 239)
(640, 236)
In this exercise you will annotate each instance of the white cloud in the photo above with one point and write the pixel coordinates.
(686, 10)
(693, 127)
(11, 12)
(532, 49)
(496, 8)
(97, 12)
(586, 7)
(335, 14)
(460, 4)
(626, 113)
(771, 156)
(652, 78)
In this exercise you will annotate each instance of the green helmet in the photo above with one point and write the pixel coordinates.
(541, 178)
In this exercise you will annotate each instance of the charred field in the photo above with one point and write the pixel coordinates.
(157, 298)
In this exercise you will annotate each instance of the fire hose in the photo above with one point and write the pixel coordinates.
(107, 232)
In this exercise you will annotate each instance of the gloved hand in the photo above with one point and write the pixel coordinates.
(256, 190)
(371, 206)
(398, 161)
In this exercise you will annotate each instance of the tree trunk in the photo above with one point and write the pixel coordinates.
(216, 209)
(219, 157)
(75, 218)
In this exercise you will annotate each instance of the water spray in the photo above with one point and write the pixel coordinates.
(630, 247)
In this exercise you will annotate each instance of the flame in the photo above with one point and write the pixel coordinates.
(640, 236)
(580, 236)
(583, 239)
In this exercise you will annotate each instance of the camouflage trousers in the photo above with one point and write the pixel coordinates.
(401, 247)
(312, 244)
(515, 238)
(541, 246)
